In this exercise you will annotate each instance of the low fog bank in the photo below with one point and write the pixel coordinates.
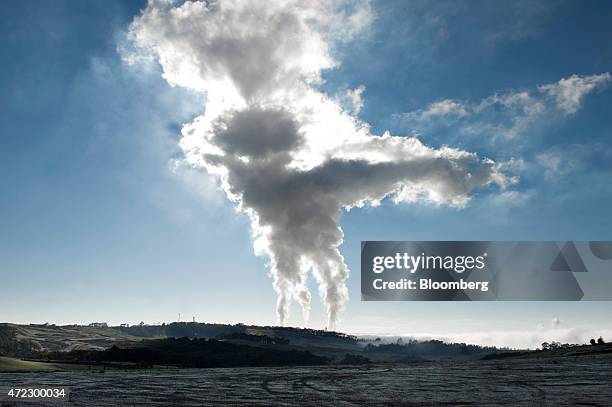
(503, 339)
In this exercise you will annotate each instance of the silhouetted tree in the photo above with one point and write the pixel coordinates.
(600, 341)
(592, 341)
(545, 345)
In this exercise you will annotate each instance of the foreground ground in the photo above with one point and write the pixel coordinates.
(585, 380)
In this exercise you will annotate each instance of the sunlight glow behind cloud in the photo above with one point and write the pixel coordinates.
(287, 154)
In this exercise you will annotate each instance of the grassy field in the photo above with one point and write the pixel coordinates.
(13, 365)
(17, 365)
(66, 338)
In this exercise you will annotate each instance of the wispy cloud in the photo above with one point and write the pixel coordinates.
(569, 93)
(558, 161)
(351, 99)
(506, 115)
(442, 108)
(555, 163)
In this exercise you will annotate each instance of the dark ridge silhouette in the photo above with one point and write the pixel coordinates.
(45, 341)
(209, 330)
(434, 348)
(263, 339)
(556, 349)
(194, 353)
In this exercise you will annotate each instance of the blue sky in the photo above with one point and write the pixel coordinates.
(100, 220)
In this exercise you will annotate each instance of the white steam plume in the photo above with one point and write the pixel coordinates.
(284, 152)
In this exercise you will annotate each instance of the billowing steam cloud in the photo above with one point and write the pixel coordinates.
(284, 152)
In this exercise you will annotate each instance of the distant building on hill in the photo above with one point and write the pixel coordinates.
(99, 324)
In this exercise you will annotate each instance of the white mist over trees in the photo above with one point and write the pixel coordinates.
(287, 154)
